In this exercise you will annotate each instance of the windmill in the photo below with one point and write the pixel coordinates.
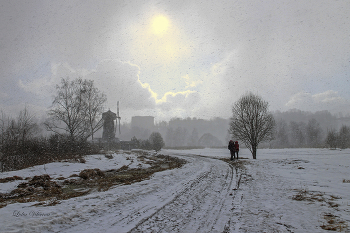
(118, 117)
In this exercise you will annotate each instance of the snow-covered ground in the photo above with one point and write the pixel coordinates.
(287, 190)
(66, 169)
(266, 204)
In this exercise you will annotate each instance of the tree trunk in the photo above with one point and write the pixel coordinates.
(254, 153)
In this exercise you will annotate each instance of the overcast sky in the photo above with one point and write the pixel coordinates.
(178, 58)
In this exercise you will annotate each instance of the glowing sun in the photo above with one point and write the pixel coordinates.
(160, 24)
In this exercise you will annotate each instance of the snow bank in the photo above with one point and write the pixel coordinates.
(66, 169)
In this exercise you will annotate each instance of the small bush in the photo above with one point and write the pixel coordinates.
(10, 179)
(42, 150)
(123, 168)
(40, 181)
(38, 185)
(82, 160)
(109, 156)
(91, 173)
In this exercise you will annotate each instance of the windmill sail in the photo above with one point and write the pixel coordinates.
(118, 117)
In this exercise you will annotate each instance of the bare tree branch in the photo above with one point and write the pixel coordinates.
(251, 122)
(76, 108)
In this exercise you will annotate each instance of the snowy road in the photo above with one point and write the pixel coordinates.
(195, 198)
(208, 195)
(202, 205)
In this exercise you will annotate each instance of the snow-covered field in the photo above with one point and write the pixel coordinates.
(287, 190)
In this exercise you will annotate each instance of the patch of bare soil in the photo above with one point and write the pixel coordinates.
(332, 222)
(48, 192)
(312, 196)
(237, 163)
(10, 179)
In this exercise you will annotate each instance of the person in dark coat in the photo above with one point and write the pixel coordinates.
(236, 146)
(231, 147)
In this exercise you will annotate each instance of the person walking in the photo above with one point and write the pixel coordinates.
(231, 147)
(236, 146)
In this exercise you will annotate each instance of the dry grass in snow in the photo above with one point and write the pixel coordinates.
(47, 192)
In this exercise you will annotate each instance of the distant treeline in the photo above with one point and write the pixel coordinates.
(184, 133)
(294, 128)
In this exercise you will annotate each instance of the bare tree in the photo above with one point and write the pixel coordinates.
(156, 141)
(27, 128)
(313, 132)
(169, 137)
(21, 129)
(16, 132)
(332, 139)
(94, 103)
(193, 141)
(76, 108)
(298, 133)
(251, 122)
(4, 123)
(281, 133)
(344, 137)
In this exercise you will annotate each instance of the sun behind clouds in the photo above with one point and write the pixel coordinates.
(159, 46)
(160, 24)
(158, 42)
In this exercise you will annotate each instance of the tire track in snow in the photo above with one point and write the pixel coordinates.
(204, 205)
(122, 209)
(195, 197)
(186, 187)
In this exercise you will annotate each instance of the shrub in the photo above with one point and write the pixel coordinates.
(91, 173)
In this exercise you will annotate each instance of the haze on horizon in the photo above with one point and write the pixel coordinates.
(177, 58)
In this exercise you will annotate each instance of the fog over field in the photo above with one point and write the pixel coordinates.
(177, 58)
